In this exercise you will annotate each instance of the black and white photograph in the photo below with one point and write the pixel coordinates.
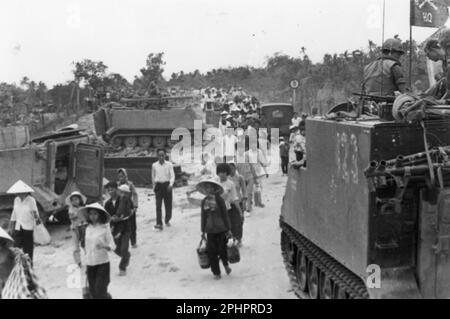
(239, 152)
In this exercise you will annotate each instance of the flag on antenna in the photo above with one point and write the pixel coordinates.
(429, 13)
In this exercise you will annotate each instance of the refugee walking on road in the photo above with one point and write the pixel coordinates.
(163, 178)
(215, 226)
(76, 201)
(241, 192)
(98, 245)
(248, 173)
(231, 199)
(24, 218)
(122, 227)
(122, 176)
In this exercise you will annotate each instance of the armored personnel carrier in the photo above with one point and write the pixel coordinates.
(55, 165)
(368, 215)
(135, 129)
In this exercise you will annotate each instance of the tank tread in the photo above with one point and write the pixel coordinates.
(340, 275)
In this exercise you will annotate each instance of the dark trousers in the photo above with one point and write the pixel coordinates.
(24, 240)
(236, 222)
(123, 249)
(162, 193)
(133, 235)
(284, 164)
(217, 249)
(299, 156)
(98, 279)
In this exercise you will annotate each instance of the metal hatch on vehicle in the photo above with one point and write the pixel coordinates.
(88, 170)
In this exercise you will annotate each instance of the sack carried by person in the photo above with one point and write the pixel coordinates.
(41, 235)
(202, 254)
(233, 251)
(23, 283)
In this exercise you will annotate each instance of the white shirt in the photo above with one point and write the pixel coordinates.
(24, 213)
(163, 173)
(98, 237)
(229, 143)
(230, 194)
(299, 142)
(296, 121)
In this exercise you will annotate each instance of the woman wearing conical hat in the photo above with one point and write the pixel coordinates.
(24, 217)
(98, 243)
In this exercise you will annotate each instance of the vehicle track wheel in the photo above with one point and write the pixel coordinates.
(326, 288)
(131, 142)
(159, 142)
(301, 271)
(291, 253)
(313, 281)
(171, 143)
(117, 141)
(145, 141)
(340, 293)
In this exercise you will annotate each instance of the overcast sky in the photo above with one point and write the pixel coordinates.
(40, 39)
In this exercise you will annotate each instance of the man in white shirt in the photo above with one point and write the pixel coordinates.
(163, 178)
(229, 144)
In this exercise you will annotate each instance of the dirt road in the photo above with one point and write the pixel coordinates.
(165, 263)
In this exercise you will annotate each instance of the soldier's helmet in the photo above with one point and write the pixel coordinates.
(444, 39)
(393, 45)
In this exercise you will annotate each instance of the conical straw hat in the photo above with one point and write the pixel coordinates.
(4, 235)
(84, 211)
(20, 188)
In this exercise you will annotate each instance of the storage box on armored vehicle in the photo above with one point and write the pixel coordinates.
(54, 165)
(339, 234)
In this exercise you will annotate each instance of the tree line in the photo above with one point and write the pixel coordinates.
(322, 84)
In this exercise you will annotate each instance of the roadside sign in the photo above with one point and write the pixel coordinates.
(294, 84)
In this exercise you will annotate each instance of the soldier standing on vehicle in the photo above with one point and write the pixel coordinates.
(437, 51)
(444, 42)
(385, 76)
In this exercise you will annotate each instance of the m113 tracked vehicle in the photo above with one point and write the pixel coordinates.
(368, 216)
(135, 129)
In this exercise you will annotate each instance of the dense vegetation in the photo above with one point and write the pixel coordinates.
(322, 84)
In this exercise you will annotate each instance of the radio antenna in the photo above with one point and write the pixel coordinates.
(382, 43)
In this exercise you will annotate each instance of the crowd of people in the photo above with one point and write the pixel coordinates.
(231, 182)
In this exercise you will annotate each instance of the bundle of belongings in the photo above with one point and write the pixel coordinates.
(22, 283)
(409, 109)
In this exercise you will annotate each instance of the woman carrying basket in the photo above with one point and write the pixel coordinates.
(215, 226)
